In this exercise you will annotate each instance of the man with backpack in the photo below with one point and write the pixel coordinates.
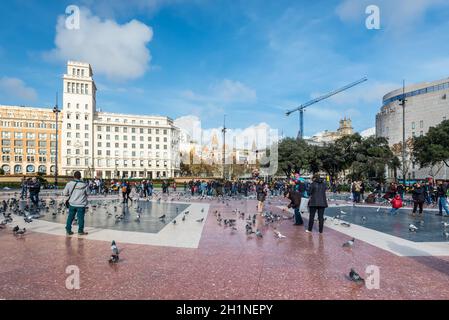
(76, 191)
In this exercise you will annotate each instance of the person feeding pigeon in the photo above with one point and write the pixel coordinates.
(295, 203)
(396, 204)
(76, 191)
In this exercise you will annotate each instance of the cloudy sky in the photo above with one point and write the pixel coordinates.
(249, 59)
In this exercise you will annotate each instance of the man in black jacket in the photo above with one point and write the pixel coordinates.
(317, 202)
(295, 203)
(442, 199)
(418, 196)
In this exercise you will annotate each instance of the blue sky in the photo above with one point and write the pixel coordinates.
(249, 59)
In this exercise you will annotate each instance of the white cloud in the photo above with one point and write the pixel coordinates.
(225, 91)
(17, 89)
(118, 51)
(233, 91)
(368, 132)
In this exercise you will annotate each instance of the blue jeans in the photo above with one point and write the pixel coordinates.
(79, 211)
(393, 211)
(23, 195)
(298, 218)
(442, 203)
(34, 197)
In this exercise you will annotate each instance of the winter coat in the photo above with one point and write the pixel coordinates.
(318, 194)
(295, 198)
(396, 202)
(418, 194)
(79, 195)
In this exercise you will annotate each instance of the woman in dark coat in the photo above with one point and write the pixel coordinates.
(317, 202)
(418, 196)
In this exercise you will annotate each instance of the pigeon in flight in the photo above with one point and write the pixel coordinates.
(354, 276)
(349, 243)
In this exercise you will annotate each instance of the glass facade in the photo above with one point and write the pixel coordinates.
(437, 87)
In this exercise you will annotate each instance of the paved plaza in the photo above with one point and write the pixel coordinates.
(198, 258)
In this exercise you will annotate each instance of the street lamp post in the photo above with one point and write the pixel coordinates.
(56, 112)
(402, 103)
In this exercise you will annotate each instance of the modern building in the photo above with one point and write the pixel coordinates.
(427, 105)
(28, 140)
(99, 144)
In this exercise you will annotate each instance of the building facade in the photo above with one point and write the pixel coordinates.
(112, 145)
(344, 129)
(28, 140)
(98, 144)
(427, 105)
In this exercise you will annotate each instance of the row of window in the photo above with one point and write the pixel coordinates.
(126, 121)
(28, 151)
(77, 126)
(41, 159)
(75, 87)
(133, 138)
(86, 106)
(77, 72)
(29, 143)
(133, 130)
(437, 87)
(116, 153)
(122, 163)
(29, 135)
(25, 124)
(77, 116)
(29, 168)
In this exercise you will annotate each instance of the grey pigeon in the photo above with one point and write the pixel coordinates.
(349, 243)
(200, 220)
(354, 276)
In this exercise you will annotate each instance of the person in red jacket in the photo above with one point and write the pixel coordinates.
(396, 204)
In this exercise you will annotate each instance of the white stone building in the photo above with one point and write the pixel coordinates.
(111, 145)
(427, 105)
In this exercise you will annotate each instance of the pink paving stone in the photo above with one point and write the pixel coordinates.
(226, 265)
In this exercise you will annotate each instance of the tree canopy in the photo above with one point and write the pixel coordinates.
(432, 148)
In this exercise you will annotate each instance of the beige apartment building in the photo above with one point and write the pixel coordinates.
(28, 140)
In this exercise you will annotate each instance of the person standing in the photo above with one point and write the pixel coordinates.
(35, 188)
(76, 191)
(24, 186)
(418, 198)
(125, 187)
(317, 202)
(441, 194)
(295, 203)
(261, 195)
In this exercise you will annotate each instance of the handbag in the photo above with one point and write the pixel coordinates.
(67, 204)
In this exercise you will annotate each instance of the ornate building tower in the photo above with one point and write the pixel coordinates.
(79, 107)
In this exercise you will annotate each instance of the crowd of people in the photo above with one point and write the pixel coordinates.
(294, 189)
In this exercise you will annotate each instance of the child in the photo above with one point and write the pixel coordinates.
(396, 203)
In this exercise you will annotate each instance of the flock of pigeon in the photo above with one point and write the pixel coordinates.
(226, 220)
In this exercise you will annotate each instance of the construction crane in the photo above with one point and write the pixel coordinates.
(309, 103)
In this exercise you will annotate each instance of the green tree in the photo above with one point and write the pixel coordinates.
(293, 156)
(432, 148)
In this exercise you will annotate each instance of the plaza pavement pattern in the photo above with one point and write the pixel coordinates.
(207, 261)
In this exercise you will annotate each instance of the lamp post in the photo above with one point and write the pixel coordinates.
(56, 112)
(402, 103)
